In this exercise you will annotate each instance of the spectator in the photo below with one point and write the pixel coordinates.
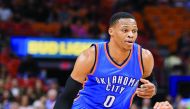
(38, 105)
(25, 102)
(172, 61)
(15, 90)
(78, 28)
(134, 106)
(14, 105)
(43, 74)
(51, 97)
(38, 89)
(5, 12)
(31, 94)
(6, 99)
(146, 104)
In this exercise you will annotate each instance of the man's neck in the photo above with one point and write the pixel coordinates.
(117, 53)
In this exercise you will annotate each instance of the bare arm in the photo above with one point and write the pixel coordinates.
(81, 69)
(148, 62)
(147, 89)
(83, 65)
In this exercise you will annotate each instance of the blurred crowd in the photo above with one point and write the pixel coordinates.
(24, 85)
(177, 103)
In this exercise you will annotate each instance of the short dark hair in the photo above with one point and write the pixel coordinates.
(119, 15)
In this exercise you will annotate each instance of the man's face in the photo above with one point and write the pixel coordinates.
(124, 32)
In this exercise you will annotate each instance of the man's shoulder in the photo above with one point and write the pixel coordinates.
(146, 52)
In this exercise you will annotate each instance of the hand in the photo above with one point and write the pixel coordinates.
(163, 105)
(146, 90)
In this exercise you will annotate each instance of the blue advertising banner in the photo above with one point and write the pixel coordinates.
(50, 47)
(173, 83)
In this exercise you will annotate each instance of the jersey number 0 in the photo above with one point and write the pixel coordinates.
(109, 101)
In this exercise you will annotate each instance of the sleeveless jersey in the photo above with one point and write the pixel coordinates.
(111, 86)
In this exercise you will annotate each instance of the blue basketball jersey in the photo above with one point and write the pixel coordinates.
(111, 86)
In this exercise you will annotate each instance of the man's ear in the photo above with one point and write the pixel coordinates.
(110, 31)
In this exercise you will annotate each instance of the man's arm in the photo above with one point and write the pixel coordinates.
(148, 62)
(81, 69)
(147, 89)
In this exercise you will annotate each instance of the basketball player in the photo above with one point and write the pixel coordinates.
(110, 72)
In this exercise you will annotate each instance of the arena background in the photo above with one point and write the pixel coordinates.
(40, 40)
